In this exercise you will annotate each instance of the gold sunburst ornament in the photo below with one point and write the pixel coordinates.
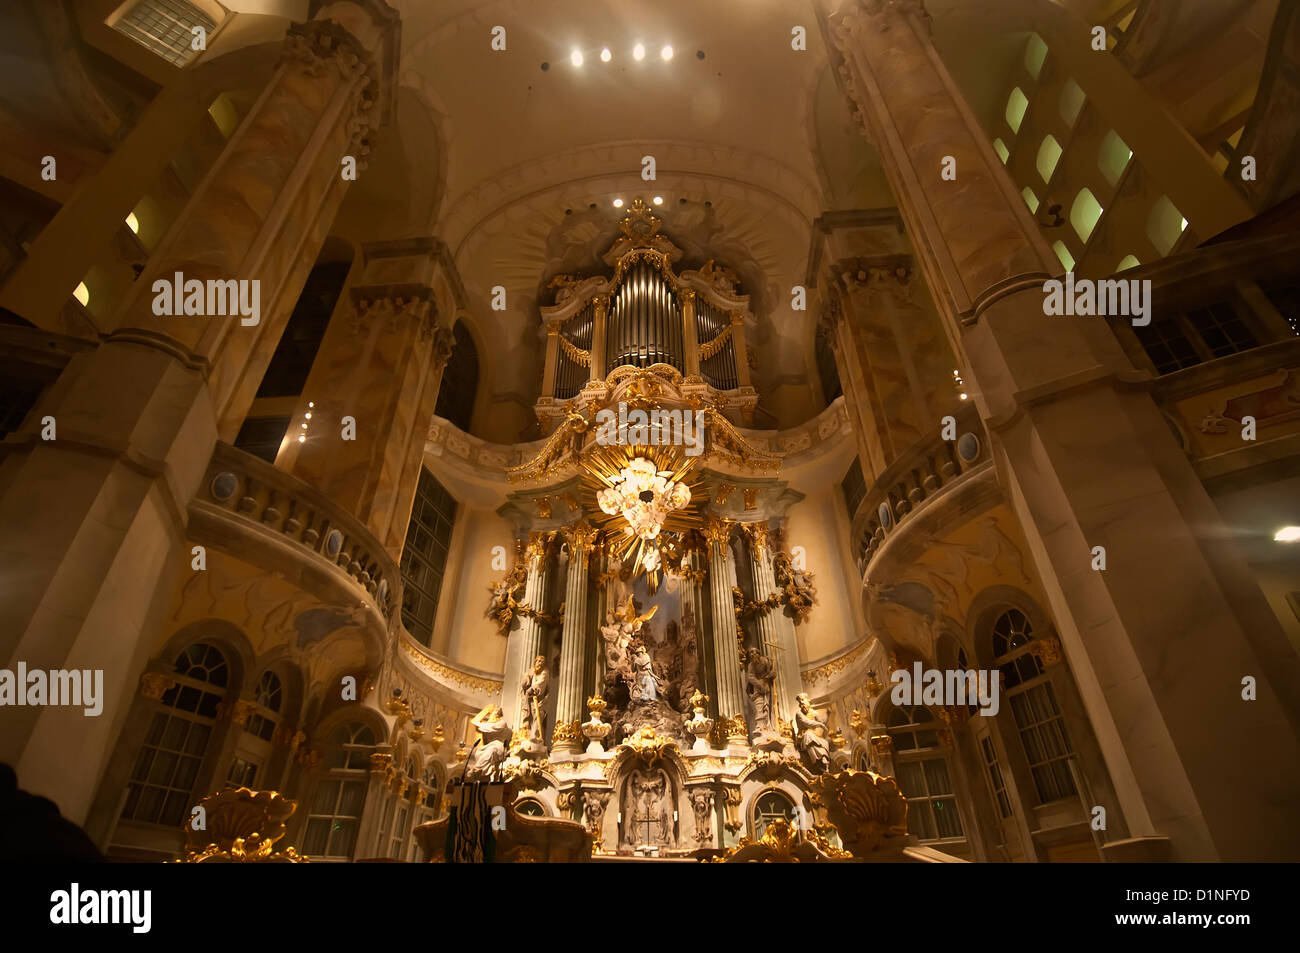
(646, 498)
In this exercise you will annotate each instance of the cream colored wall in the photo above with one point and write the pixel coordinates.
(818, 523)
(462, 632)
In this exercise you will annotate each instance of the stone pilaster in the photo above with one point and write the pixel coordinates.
(775, 629)
(380, 364)
(727, 690)
(569, 710)
(1159, 641)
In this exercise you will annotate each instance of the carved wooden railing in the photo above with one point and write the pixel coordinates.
(915, 478)
(249, 489)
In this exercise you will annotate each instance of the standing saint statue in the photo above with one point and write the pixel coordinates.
(810, 736)
(645, 683)
(536, 687)
(760, 673)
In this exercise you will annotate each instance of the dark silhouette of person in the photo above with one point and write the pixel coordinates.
(32, 830)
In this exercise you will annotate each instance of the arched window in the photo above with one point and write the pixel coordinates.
(1033, 702)
(768, 807)
(923, 775)
(530, 807)
(339, 797)
(255, 743)
(161, 790)
(424, 556)
(459, 384)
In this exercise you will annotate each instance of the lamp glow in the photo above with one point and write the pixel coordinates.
(638, 51)
(659, 200)
(666, 52)
(576, 57)
(618, 203)
(133, 223)
(606, 55)
(1287, 534)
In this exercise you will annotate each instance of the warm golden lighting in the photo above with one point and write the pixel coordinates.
(666, 52)
(638, 51)
(1287, 534)
(133, 223)
(618, 203)
(606, 55)
(82, 293)
(576, 57)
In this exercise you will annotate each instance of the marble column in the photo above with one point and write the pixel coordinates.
(92, 522)
(1160, 641)
(569, 708)
(775, 628)
(727, 688)
(526, 642)
(380, 363)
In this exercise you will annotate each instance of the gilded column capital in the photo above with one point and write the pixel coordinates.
(582, 538)
(717, 530)
(535, 551)
(756, 534)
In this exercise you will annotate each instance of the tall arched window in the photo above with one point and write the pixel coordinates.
(459, 384)
(161, 790)
(1033, 702)
(259, 727)
(424, 556)
(923, 775)
(770, 806)
(340, 795)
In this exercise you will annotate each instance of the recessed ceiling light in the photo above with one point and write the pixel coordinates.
(1287, 534)
(304, 426)
(963, 396)
(311, 404)
(301, 438)
(576, 57)
(666, 52)
(618, 203)
(658, 200)
(638, 51)
(606, 55)
(308, 415)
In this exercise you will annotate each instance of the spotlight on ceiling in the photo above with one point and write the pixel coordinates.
(1287, 534)
(638, 51)
(606, 55)
(618, 203)
(576, 57)
(658, 200)
(666, 52)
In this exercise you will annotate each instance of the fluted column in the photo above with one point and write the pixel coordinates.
(526, 641)
(775, 629)
(569, 712)
(727, 689)
(1161, 639)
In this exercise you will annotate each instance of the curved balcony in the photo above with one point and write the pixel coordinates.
(928, 471)
(249, 508)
